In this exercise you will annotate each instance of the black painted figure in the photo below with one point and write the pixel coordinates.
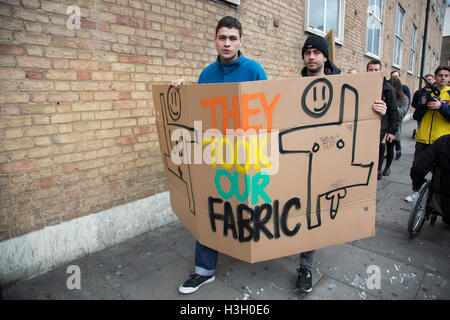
(330, 137)
(171, 106)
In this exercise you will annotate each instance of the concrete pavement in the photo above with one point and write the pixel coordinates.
(153, 265)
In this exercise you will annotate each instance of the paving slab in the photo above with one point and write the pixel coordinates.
(424, 254)
(180, 240)
(331, 289)
(398, 175)
(434, 287)
(162, 284)
(131, 265)
(273, 279)
(400, 190)
(393, 213)
(53, 286)
(397, 281)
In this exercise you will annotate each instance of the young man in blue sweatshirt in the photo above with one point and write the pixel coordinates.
(230, 66)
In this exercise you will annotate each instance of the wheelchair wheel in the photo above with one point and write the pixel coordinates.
(417, 215)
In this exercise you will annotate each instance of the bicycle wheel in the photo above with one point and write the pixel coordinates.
(417, 215)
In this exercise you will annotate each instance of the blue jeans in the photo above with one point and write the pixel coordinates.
(206, 260)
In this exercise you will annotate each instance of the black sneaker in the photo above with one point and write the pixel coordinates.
(304, 280)
(194, 283)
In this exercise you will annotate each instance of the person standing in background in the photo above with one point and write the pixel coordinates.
(390, 120)
(403, 106)
(433, 114)
(407, 93)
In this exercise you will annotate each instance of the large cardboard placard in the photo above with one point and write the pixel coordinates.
(291, 166)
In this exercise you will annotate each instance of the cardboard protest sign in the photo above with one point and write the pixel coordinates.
(261, 170)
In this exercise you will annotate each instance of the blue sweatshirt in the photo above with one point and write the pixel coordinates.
(241, 70)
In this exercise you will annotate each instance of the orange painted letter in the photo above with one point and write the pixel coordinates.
(246, 112)
(212, 103)
(268, 109)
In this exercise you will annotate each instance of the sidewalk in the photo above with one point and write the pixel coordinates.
(153, 265)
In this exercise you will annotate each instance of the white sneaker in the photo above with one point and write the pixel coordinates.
(412, 197)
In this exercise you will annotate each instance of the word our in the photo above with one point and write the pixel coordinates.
(255, 184)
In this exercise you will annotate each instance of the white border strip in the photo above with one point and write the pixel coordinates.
(36, 253)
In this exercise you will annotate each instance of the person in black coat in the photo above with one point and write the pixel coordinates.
(435, 156)
(397, 143)
(391, 120)
(415, 103)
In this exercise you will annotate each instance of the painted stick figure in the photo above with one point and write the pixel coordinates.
(331, 136)
(171, 109)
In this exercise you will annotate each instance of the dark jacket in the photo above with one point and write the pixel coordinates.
(433, 123)
(416, 98)
(391, 120)
(329, 68)
(436, 155)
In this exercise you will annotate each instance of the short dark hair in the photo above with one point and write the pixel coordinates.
(441, 68)
(373, 61)
(229, 22)
(395, 72)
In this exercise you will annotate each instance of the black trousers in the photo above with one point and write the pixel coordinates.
(389, 148)
(420, 147)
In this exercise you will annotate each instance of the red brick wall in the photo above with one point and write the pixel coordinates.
(77, 132)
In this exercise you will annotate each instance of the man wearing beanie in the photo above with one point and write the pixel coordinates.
(315, 55)
(317, 61)
(391, 121)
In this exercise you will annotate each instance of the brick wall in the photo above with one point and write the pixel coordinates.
(414, 12)
(77, 126)
(445, 51)
(77, 133)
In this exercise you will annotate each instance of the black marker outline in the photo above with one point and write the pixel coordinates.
(177, 170)
(319, 112)
(334, 208)
(174, 115)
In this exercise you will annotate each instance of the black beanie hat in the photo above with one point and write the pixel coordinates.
(316, 42)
